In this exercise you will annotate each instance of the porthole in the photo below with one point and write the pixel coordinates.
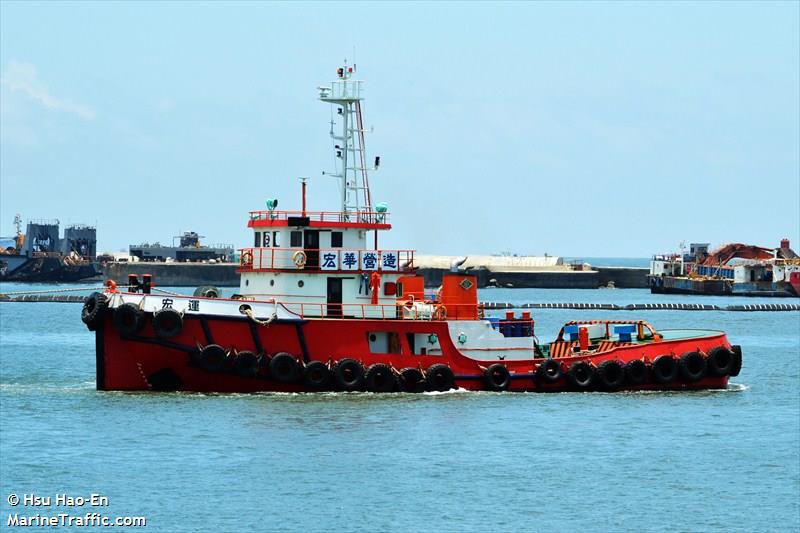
(300, 283)
(247, 283)
(272, 283)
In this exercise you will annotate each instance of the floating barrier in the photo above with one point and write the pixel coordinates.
(66, 298)
(69, 298)
(644, 306)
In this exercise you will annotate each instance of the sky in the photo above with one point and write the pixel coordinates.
(573, 129)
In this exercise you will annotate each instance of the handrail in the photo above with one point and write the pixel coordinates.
(640, 324)
(366, 217)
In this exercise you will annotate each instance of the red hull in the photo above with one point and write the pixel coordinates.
(141, 362)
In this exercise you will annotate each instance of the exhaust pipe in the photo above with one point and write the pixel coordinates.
(457, 262)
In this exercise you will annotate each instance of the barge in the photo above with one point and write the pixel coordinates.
(322, 306)
(731, 270)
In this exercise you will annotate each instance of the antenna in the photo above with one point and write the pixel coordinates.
(348, 141)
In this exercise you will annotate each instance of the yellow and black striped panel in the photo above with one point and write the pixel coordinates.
(562, 348)
(605, 346)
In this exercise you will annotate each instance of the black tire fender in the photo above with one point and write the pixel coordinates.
(317, 375)
(636, 372)
(497, 377)
(94, 310)
(693, 367)
(246, 364)
(167, 323)
(380, 378)
(549, 371)
(720, 361)
(581, 374)
(128, 319)
(611, 375)
(348, 375)
(213, 358)
(207, 291)
(665, 369)
(737, 360)
(284, 367)
(439, 377)
(411, 380)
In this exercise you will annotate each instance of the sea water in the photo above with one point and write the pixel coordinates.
(699, 461)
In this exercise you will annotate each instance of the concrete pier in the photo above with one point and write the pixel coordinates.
(176, 274)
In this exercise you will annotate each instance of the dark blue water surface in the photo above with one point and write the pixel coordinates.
(704, 461)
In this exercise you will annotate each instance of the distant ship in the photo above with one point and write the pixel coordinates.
(41, 255)
(731, 270)
(189, 250)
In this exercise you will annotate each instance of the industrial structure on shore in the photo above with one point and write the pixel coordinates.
(41, 254)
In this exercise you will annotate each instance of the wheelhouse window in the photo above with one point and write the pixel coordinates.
(296, 238)
(257, 244)
(384, 342)
(424, 343)
(336, 239)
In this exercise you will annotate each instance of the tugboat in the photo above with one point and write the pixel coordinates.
(321, 306)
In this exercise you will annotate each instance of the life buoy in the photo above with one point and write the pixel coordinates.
(128, 319)
(581, 375)
(693, 366)
(440, 312)
(317, 375)
(720, 361)
(665, 369)
(246, 364)
(246, 260)
(299, 259)
(549, 371)
(380, 378)
(167, 323)
(440, 378)
(636, 372)
(497, 377)
(213, 357)
(611, 375)
(284, 367)
(411, 380)
(349, 375)
(94, 309)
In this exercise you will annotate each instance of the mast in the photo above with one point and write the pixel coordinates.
(344, 94)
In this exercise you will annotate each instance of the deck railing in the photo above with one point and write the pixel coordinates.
(356, 217)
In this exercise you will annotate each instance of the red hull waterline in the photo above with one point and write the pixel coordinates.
(145, 361)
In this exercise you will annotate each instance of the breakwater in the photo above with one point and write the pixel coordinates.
(547, 278)
(177, 274)
(226, 275)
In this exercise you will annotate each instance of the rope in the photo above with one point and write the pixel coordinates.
(54, 291)
(167, 292)
(251, 316)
